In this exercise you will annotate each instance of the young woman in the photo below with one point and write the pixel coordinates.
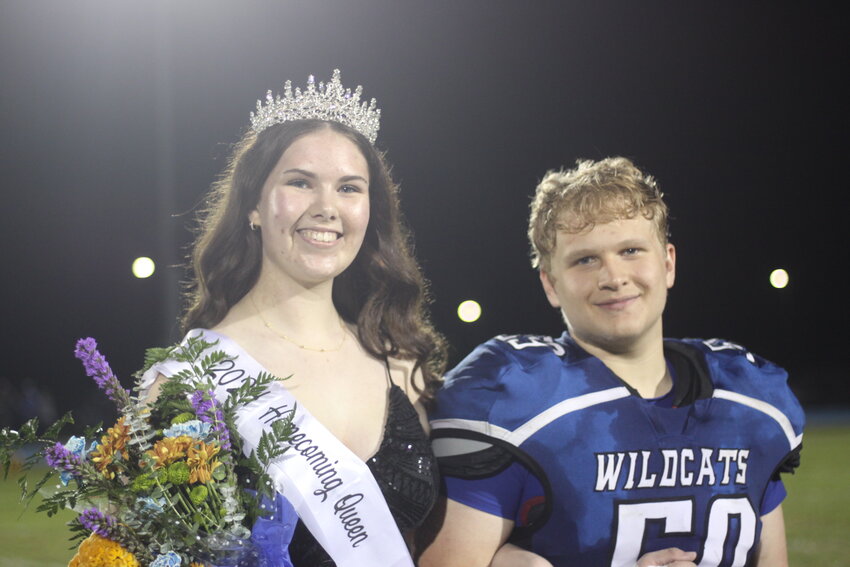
(302, 268)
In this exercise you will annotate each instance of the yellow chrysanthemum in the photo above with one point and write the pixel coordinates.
(96, 551)
(102, 457)
(201, 462)
(112, 444)
(118, 435)
(170, 449)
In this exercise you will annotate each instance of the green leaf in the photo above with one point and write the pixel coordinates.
(29, 430)
(53, 431)
(155, 355)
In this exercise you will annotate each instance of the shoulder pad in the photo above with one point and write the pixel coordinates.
(503, 352)
(522, 342)
(728, 350)
(530, 351)
(496, 371)
(735, 369)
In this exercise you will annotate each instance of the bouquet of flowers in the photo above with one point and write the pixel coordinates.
(167, 484)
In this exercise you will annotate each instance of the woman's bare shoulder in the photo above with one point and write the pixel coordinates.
(407, 376)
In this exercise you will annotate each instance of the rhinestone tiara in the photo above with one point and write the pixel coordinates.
(329, 101)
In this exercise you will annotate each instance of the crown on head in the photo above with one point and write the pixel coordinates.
(329, 101)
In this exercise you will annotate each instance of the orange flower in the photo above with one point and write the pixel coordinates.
(201, 462)
(96, 551)
(170, 449)
(118, 436)
(112, 444)
(102, 457)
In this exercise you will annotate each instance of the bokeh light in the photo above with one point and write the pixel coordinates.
(469, 311)
(143, 267)
(779, 278)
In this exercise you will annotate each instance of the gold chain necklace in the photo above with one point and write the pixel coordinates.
(286, 337)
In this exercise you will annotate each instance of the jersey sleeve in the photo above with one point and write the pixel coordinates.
(476, 472)
(463, 408)
(500, 494)
(773, 497)
(475, 411)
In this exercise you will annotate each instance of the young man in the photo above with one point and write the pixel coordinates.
(611, 442)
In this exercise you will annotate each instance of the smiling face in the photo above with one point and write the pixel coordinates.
(314, 208)
(611, 283)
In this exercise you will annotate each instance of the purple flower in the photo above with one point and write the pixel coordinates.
(98, 369)
(62, 459)
(202, 402)
(75, 447)
(96, 521)
(209, 411)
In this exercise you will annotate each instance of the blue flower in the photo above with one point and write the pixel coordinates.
(194, 428)
(151, 505)
(169, 559)
(77, 446)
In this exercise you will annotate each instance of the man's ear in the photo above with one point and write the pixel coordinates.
(549, 287)
(670, 265)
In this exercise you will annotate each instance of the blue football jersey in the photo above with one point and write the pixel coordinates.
(623, 477)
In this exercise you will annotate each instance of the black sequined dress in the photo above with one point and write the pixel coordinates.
(405, 469)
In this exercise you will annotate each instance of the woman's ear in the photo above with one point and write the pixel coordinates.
(254, 219)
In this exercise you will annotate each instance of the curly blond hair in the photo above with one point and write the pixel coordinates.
(593, 192)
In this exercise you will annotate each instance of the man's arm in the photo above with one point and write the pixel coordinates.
(510, 555)
(773, 551)
(472, 538)
(467, 538)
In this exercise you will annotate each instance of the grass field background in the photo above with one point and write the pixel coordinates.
(817, 512)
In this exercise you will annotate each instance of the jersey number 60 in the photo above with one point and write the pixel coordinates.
(677, 516)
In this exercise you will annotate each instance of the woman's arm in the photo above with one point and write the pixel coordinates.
(670, 557)
(152, 393)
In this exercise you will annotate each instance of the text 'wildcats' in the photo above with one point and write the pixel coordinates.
(670, 467)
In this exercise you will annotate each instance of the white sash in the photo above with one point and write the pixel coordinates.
(332, 490)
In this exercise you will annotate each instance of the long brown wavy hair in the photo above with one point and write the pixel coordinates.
(383, 291)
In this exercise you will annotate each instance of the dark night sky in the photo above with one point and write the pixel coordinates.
(116, 116)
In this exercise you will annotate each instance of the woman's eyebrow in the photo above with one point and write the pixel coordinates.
(345, 178)
(303, 172)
